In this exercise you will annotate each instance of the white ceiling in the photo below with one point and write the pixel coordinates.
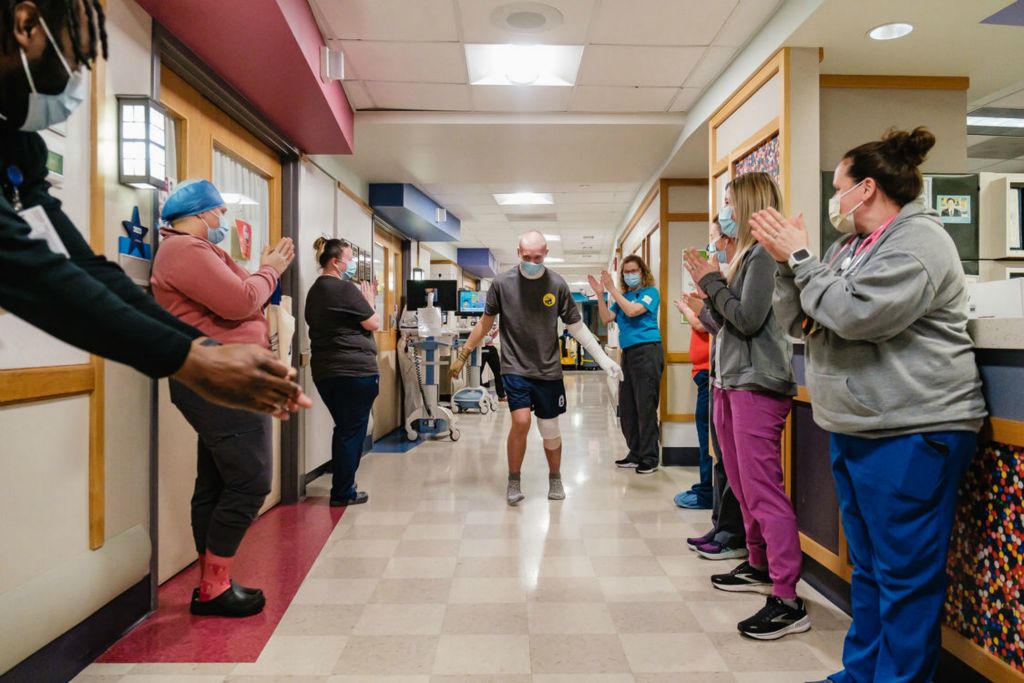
(645, 62)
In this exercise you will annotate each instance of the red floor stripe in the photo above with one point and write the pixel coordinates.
(276, 555)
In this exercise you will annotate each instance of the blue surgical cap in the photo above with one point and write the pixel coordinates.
(190, 198)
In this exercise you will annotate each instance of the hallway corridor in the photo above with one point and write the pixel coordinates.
(437, 580)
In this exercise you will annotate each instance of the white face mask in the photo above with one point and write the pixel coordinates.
(843, 222)
(48, 110)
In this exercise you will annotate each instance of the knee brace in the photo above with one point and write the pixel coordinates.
(548, 429)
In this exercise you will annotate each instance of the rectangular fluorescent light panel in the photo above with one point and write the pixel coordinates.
(552, 238)
(543, 65)
(524, 198)
(995, 122)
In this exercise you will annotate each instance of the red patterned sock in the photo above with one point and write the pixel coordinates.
(216, 576)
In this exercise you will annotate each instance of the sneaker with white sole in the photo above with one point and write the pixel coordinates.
(514, 493)
(744, 579)
(695, 541)
(646, 469)
(555, 489)
(776, 619)
(713, 550)
(628, 461)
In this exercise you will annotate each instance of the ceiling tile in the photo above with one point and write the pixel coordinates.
(1013, 100)
(659, 22)
(357, 95)
(643, 66)
(420, 96)
(520, 98)
(711, 65)
(478, 27)
(1011, 166)
(408, 62)
(745, 21)
(428, 20)
(686, 98)
(611, 99)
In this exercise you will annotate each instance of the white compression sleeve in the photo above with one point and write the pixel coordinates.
(549, 432)
(589, 342)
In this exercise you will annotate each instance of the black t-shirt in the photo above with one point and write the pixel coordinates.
(84, 300)
(340, 346)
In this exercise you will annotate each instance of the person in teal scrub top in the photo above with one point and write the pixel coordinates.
(635, 310)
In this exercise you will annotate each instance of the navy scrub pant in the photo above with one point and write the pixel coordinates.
(897, 498)
(350, 400)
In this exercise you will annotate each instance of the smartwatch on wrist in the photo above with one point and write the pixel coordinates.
(798, 257)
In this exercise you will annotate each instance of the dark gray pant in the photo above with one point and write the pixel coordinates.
(233, 473)
(726, 517)
(639, 392)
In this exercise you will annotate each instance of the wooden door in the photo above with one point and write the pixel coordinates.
(387, 270)
(207, 137)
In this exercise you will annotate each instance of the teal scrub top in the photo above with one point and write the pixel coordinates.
(641, 329)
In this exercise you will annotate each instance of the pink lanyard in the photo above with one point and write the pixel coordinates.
(864, 246)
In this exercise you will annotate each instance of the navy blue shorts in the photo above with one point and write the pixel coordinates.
(545, 397)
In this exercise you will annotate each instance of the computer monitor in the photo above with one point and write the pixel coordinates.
(444, 294)
(472, 303)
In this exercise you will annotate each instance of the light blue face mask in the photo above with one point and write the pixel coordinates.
(530, 269)
(717, 253)
(350, 269)
(217, 234)
(631, 279)
(48, 110)
(726, 222)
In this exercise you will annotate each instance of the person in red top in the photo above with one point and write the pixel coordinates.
(701, 495)
(198, 282)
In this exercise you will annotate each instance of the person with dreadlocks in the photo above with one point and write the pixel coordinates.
(49, 276)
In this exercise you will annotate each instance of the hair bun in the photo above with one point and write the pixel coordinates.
(912, 146)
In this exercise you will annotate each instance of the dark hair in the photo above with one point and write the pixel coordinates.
(327, 249)
(61, 13)
(893, 162)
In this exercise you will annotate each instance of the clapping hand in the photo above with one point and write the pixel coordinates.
(698, 267)
(607, 280)
(368, 292)
(280, 256)
(595, 285)
(779, 235)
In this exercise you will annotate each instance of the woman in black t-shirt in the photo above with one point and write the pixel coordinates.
(342, 321)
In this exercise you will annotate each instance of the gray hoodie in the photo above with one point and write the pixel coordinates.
(753, 352)
(892, 355)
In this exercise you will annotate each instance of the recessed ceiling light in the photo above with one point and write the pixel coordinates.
(552, 238)
(890, 31)
(524, 198)
(554, 259)
(995, 121)
(553, 65)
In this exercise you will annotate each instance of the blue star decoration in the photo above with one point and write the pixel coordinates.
(135, 242)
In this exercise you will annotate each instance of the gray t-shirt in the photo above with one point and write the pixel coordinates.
(529, 311)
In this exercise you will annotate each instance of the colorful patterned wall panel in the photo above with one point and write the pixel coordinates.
(985, 601)
(764, 158)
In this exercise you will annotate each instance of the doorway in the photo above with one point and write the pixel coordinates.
(387, 272)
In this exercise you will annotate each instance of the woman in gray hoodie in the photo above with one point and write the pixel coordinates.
(891, 373)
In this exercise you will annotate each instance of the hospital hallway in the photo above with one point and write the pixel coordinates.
(437, 580)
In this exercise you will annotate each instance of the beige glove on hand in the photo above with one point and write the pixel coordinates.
(458, 360)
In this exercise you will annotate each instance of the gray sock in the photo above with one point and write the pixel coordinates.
(792, 604)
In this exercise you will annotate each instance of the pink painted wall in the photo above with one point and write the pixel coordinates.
(268, 50)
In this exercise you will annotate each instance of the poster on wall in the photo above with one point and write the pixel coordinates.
(954, 208)
(241, 240)
(764, 158)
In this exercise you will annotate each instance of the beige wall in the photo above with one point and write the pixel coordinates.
(57, 580)
(804, 116)
(850, 117)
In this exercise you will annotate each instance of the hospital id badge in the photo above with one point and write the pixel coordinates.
(42, 229)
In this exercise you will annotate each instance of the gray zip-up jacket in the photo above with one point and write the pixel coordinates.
(892, 355)
(752, 351)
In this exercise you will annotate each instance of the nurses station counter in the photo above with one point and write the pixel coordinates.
(984, 620)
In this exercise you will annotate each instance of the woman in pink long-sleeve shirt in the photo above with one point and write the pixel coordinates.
(198, 282)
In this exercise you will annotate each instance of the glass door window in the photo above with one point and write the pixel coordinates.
(247, 197)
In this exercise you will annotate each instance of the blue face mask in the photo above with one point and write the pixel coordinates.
(216, 234)
(717, 253)
(350, 269)
(726, 222)
(530, 269)
(631, 279)
(47, 110)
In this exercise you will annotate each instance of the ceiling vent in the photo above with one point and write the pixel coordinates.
(533, 217)
(526, 17)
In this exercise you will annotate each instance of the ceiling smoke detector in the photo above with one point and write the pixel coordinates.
(526, 17)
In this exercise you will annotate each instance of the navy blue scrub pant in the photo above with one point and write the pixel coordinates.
(897, 498)
(350, 400)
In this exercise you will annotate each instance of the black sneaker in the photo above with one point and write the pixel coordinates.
(626, 462)
(776, 619)
(358, 498)
(743, 579)
(646, 469)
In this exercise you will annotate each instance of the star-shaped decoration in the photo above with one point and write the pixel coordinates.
(136, 234)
